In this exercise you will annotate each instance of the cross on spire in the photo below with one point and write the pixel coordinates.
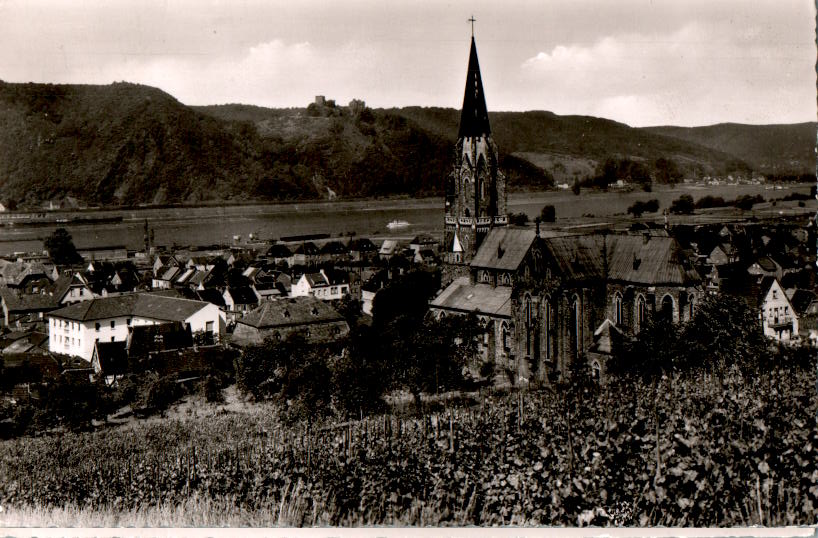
(472, 20)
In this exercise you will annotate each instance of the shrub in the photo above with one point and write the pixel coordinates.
(683, 205)
(548, 213)
(160, 392)
(519, 219)
(211, 389)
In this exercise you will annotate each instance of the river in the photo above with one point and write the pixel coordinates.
(198, 226)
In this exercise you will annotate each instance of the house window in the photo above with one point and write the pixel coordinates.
(112, 339)
(209, 327)
(96, 327)
(775, 294)
(113, 323)
(128, 322)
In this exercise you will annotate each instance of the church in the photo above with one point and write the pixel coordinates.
(547, 301)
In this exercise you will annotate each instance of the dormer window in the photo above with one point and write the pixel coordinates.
(314, 311)
(286, 313)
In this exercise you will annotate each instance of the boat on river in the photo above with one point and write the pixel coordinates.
(396, 224)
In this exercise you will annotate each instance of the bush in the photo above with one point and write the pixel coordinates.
(519, 219)
(683, 205)
(710, 201)
(639, 207)
(746, 201)
(160, 392)
(548, 213)
(211, 389)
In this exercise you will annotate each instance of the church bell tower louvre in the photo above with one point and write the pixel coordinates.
(475, 189)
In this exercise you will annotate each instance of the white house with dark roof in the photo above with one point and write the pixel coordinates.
(779, 320)
(321, 285)
(74, 329)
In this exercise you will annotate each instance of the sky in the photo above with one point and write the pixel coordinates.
(640, 62)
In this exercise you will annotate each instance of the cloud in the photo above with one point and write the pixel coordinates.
(698, 74)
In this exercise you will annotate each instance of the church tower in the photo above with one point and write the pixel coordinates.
(475, 189)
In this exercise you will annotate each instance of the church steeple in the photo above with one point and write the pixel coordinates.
(475, 189)
(474, 117)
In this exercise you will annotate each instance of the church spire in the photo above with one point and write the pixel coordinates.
(474, 117)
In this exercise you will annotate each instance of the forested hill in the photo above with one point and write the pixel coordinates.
(127, 144)
(770, 149)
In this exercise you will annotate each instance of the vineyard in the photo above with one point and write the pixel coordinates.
(687, 450)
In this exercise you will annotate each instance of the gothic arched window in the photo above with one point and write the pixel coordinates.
(576, 324)
(617, 308)
(667, 308)
(641, 312)
(548, 315)
(528, 323)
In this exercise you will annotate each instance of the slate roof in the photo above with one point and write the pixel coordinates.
(767, 264)
(334, 248)
(243, 295)
(145, 305)
(112, 357)
(211, 295)
(289, 312)
(145, 339)
(463, 296)
(627, 258)
(316, 280)
(307, 248)
(168, 273)
(800, 300)
(504, 248)
(279, 251)
(474, 116)
(17, 302)
(362, 244)
(26, 343)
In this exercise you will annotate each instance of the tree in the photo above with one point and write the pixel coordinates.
(683, 205)
(548, 213)
(667, 171)
(518, 219)
(61, 249)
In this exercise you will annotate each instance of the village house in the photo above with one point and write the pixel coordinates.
(388, 249)
(74, 329)
(22, 310)
(70, 288)
(238, 301)
(778, 319)
(312, 319)
(305, 254)
(279, 253)
(325, 285)
(362, 250)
